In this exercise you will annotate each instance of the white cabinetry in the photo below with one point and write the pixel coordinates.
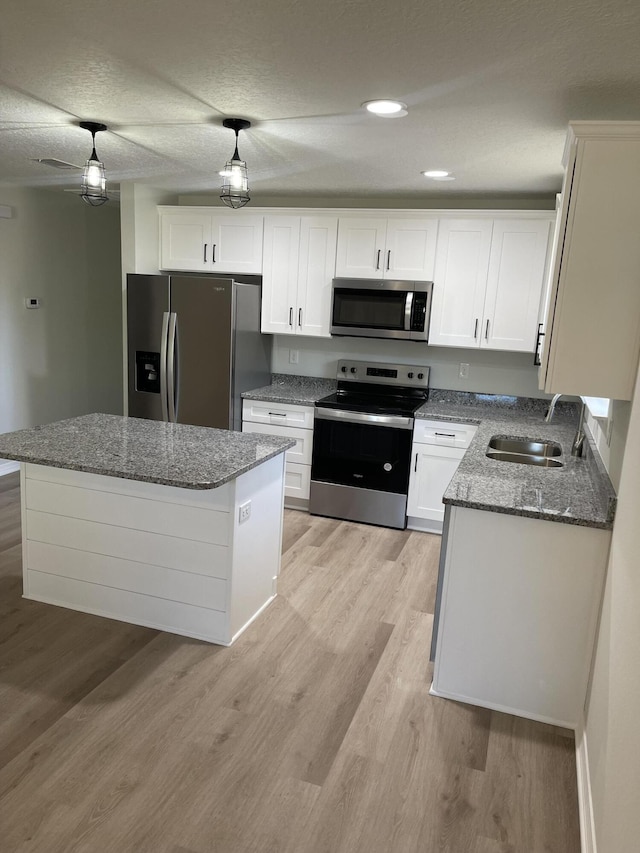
(518, 614)
(392, 248)
(289, 421)
(592, 330)
(299, 263)
(175, 559)
(198, 240)
(489, 276)
(438, 447)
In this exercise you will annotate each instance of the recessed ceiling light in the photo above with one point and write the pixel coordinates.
(386, 108)
(439, 175)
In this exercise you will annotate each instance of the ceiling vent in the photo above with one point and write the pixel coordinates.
(55, 164)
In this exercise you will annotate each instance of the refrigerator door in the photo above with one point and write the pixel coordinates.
(147, 302)
(203, 331)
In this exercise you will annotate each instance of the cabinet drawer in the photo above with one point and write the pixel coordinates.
(443, 433)
(297, 480)
(259, 411)
(301, 453)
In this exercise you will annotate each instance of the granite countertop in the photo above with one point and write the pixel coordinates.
(578, 493)
(296, 390)
(189, 457)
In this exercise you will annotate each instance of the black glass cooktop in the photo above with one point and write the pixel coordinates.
(373, 402)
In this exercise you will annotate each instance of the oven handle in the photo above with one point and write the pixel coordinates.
(363, 417)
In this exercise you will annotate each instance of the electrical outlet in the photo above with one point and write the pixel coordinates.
(244, 512)
(293, 356)
(464, 370)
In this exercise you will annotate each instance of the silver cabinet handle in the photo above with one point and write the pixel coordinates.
(291, 316)
(278, 414)
(415, 467)
(205, 253)
(475, 331)
(378, 260)
(300, 317)
(213, 253)
(446, 434)
(486, 332)
(389, 259)
(164, 339)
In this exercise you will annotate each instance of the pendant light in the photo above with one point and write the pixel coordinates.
(235, 183)
(94, 190)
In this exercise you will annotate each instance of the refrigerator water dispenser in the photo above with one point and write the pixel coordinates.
(148, 371)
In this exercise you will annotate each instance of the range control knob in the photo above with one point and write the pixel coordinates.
(410, 375)
(421, 376)
(344, 368)
(354, 369)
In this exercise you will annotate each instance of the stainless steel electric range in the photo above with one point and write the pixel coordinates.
(362, 442)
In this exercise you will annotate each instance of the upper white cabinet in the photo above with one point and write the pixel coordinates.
(201, 241)
(299, 264)
(395, 248)
(489, 276)
(592, 329)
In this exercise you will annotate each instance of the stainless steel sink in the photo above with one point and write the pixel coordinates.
(529, 446)
(525, 451)
(524, 459)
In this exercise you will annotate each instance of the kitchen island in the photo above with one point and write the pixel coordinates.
(169, 526)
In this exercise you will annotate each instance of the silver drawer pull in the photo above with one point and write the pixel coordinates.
(446, 434)
(278, 414)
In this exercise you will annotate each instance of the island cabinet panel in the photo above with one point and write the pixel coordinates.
(128, 575)
(185, 522)
(202, 563)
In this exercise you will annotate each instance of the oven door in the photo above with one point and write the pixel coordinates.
(360, 466)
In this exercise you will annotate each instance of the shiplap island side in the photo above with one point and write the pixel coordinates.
(170, 526)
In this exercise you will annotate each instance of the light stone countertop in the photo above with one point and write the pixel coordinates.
(188, 457)
(578, 493)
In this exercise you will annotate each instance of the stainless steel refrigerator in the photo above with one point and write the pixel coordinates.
(194, 345)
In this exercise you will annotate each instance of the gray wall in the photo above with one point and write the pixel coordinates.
(62, 359)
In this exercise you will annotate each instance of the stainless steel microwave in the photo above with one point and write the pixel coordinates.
(372, 308)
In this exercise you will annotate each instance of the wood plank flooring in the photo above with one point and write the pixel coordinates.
(314, 733)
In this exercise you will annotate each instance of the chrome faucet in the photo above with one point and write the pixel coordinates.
(577, 447)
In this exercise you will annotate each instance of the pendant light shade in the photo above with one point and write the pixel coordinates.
(235, 182)
(94, 190)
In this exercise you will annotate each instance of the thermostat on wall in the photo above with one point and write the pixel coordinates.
(32, 302)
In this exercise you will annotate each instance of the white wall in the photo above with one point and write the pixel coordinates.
(491, 372)
(613, 707)
(62, 359)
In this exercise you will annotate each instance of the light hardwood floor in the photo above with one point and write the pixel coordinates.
(314, 733)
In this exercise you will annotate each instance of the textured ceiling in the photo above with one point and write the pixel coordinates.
(490, 85)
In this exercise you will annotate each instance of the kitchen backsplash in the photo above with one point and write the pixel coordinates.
(489, 371)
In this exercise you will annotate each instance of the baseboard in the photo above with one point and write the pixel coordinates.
(8, 468)
(425, 525)
(585, 804)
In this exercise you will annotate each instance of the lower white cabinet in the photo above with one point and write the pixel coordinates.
(518, 614)
(438, 447)
(290, 421)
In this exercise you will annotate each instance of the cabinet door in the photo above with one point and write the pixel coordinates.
(316, 268)
(410, 251)
(460, 280)
(237, 244)
(593, 327)
(360, 248)
(279, 282)
(514, 285)
(185, 241)
(431, 472)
